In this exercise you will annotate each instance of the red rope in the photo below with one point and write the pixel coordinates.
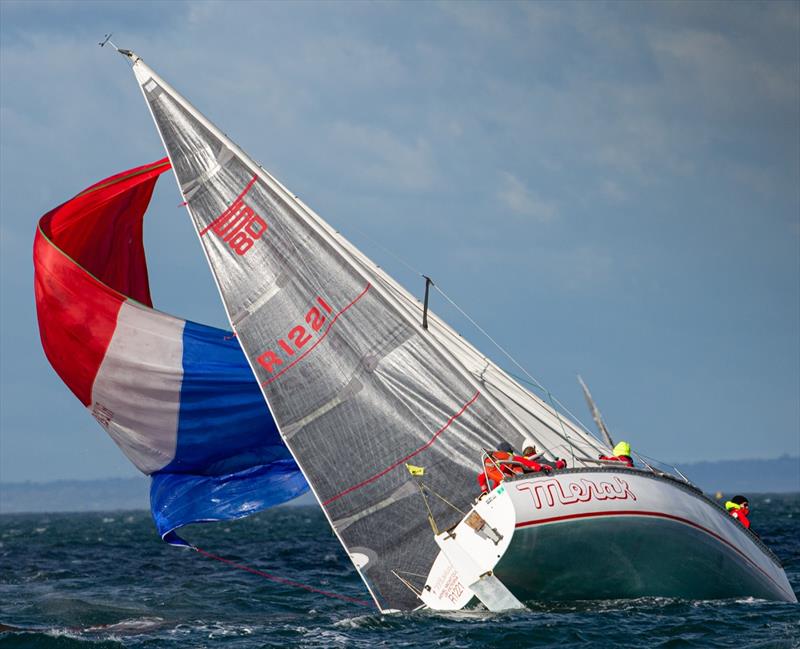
(282, 580)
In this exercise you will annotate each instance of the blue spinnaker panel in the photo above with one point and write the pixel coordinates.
(179, 499)
(224, 425)
(178, 398)
(229, 459)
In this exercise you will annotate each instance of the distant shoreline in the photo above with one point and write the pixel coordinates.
(775, 476)
(73, 496)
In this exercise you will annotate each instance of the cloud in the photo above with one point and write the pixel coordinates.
(481, 19)
(724, 73)
(376, 155)
(521, 200)
(663, 130)
(577, 268)
(582, 267)
(610, 189)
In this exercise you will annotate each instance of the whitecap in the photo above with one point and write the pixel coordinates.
(354, 622)
(132, 626)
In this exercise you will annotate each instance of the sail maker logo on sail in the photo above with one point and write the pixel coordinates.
(550, 492)
(239, 226)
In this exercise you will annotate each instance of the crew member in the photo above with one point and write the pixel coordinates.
(504, 463)
(529, 450)
(530, 453)
(739, 508)
(493, 470)
(621, 453)
(528, 464)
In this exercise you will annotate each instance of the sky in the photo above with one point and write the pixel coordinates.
(610, 189)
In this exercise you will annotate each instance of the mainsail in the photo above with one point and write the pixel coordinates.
(357, 387)
(176, 396)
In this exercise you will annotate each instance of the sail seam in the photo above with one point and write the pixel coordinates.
(409, 456)
(322, 337)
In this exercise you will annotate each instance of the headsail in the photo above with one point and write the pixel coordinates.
(177, 397)
(358, 388)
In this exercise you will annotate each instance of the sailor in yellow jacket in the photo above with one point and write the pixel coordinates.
(739, 508)
(621, 453)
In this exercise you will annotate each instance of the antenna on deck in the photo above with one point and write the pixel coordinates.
(126, 53)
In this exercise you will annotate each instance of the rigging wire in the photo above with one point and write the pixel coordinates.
(282, 580)
(387, 251)
(551, 399)
(566, 410)
(513, 360)
(442, 498)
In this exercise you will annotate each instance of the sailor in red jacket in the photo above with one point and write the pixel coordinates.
(739, 508)
(504, 463)
(529, 453)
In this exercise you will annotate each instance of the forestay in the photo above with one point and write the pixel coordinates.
(356, 386)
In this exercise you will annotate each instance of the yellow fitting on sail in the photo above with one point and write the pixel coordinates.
(415, 470)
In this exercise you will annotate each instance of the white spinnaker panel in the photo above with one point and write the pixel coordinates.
(145, 417)
(356, 386)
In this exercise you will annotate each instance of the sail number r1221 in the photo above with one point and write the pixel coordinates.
(297, 338)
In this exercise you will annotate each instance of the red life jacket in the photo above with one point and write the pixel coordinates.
(618, 458)
(503, 465)
(524, 465)
(741, 516)
(493, 470)
(500, 463)
(558, 464)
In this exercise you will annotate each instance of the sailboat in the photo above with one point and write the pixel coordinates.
(376, 403)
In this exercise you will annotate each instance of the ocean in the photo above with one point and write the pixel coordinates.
(105, 580)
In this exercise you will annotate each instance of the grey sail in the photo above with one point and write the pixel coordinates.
(357, 387)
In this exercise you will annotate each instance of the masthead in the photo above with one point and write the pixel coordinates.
(127, 53)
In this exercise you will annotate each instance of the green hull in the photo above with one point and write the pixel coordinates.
(624, 557)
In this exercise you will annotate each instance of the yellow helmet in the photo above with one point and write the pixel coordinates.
(623, 448)
(732, 505)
